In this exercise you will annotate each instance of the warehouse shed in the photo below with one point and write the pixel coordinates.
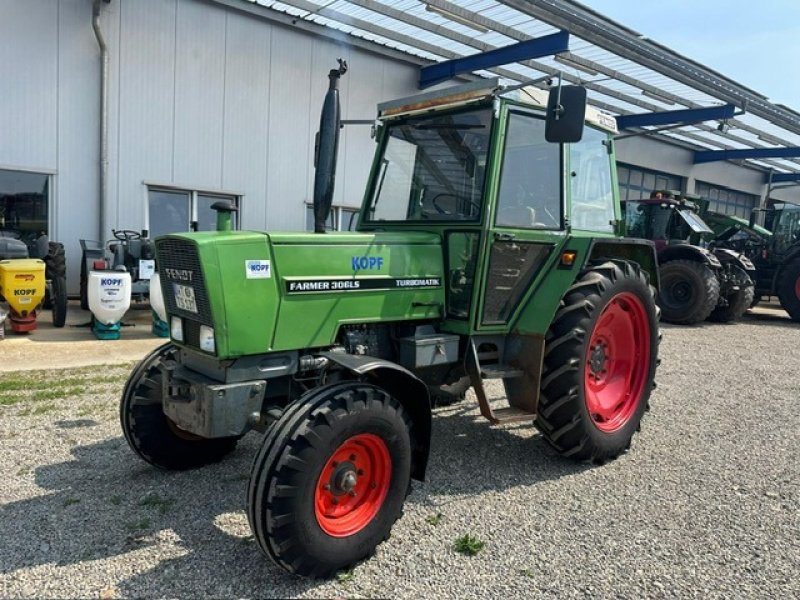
(201, 100)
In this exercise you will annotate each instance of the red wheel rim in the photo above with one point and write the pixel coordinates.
(353, 485)
(617, 363)
(797, 288)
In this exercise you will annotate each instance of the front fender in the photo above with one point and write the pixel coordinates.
(727, 256)
(689, 252)
(407, 388)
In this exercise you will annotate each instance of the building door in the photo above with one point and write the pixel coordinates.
(24, 203)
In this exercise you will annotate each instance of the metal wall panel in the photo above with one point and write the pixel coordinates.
(29, 74)
(246, 116)
(199, 93)
(75, 195)
(144, 103)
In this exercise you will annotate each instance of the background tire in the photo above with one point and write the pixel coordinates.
(84, 283)
(611, 304)
(55, 265)
(789, 289)
(288, 502)
(689, 292)
(737, 302)
(151, 434)
(58, 301)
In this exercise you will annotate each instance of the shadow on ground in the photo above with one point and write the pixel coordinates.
(105, 502)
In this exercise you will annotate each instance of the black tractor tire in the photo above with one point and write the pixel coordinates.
(689, 291)
(610, 308)
(738, 301)
(789, 289)
(84, 283)
(58, 301)
(149, 432)
(55, 265)
(291, 493)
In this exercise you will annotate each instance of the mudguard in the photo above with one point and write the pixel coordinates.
(407, 388)
(689, 252)
(727, 256)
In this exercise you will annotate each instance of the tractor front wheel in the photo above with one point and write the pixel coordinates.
(330, 478)
(600, 361)
(789, 289)
(153, 436)
(689, 291)
(737, 302)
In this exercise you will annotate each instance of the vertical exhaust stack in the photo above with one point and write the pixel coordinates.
(327, 148)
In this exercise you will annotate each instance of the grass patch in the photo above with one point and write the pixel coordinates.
(345, 576)
(116, 499)
(69, 501)
(42, 409)
(57, 393)
(434, 519)
(468, 545)
(157, 502)
(527, 572)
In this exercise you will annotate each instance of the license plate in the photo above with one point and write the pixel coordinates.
(184, 297)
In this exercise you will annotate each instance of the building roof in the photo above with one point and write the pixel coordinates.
(624, 72)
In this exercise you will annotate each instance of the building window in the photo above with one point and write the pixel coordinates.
(341, 218)
(636, 183)
(24, 199)
(726, 201)
(173, 211)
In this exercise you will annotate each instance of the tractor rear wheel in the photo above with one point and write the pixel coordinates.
(153, 436)
(84, 283)
(55, 266)
(58, 301)
(737, 302)
(689, 291)
(600, 361)
(789, 289)
(330, 478)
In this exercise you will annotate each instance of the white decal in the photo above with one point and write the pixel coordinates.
(257, 269)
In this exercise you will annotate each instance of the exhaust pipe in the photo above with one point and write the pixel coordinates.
(327, 148)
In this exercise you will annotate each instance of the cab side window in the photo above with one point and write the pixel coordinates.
(591, 189)
(530, 184)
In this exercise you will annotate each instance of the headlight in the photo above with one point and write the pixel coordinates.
(176, 329)
(207, 339)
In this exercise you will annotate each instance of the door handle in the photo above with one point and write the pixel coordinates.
(503, 237)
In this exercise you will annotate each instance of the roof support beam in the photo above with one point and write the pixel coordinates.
(716, 155)
(669, 117)
(534, 48)
(785, 177)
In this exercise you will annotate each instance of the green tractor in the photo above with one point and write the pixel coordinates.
(487, 247)
(775, 254)
(699, 280)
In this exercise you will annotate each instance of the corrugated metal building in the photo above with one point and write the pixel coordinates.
(209, 99)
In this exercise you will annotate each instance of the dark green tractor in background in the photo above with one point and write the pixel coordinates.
(699, 280)
(487, 247)
(775, 254)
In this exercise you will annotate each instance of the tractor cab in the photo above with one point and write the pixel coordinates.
(665, 218)
(476, 169)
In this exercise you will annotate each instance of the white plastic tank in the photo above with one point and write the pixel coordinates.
(109, 295)
(157, 297)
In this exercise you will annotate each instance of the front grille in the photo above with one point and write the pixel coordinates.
(178, 264)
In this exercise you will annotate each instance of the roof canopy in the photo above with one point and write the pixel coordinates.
(624, 72)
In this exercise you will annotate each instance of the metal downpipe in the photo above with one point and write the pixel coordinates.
(101, 42)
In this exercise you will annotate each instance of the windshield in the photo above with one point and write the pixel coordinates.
(787, 227)
(433, 168)
(695, 222)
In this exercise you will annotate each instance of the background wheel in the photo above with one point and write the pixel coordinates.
(149, 432)
(689, 291)
(789, 289)
(737, 302)
(599, 364)
(58, 301)
(330, 478)
(84, 283)
(55, 265)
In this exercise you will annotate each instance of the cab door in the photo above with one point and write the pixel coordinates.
(526, 226)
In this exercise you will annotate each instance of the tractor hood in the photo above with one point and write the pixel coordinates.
(262, 292)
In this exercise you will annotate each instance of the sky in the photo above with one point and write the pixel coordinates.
(754, 42)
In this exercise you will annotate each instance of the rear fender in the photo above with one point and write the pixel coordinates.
(407, 388)
(642, 252)
(689, 252)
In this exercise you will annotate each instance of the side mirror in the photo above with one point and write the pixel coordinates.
(566, 113)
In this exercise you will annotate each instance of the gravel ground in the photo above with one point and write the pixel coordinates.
(705, 504)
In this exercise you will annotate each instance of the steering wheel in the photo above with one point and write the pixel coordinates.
(126, 234)
(442, 211)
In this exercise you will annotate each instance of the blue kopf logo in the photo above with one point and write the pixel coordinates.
(107, 281)
(364, 263)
